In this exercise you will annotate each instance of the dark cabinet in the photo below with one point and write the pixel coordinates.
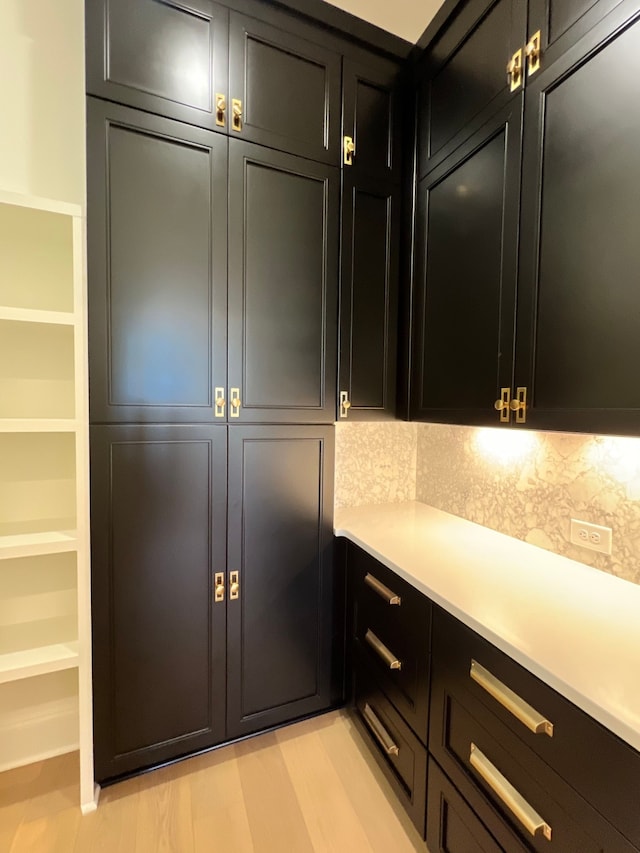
(283, 284)
(370, 261)
(561, 250)
(577, 333)
(207, 626)
(465, 275)
(158, 540)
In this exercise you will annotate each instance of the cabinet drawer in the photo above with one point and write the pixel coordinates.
(392, 629)
(451, 825)
(399, 753)
(601, 767)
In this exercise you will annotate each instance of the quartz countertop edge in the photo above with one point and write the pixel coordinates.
(575, 627)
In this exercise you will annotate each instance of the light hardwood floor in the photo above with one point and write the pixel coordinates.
(309, 787)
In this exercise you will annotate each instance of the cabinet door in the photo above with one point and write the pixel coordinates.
(157, 230)
(369, 296)
(283, 286)
(577, 332)
(466, 264)
(158, 538)
(164, 56)
(287, 88)
(463, 78)
(371, 117)
(280, 544)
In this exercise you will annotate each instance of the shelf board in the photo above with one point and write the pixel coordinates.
(37, 203)
(17, 665)
(38, 425)
(29, 315)
(37, 544)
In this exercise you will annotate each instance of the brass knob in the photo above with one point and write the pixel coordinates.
(235, 589)
(219, 590)
(516, 405)
(220, 402)
(346, 404)
(236, 402)
(350, 147)
(500, 405)
(221, 103)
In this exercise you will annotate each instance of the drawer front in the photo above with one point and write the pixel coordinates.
(399, 753)
(452, 827)
(508, 783)
(601, 767)
(392, 628)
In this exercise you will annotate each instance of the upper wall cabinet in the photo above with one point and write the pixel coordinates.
(269, 83)
(464, 75)
(163, 56)
(560, 23)
(284, 89)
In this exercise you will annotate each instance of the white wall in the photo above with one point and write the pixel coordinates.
(42, 112)
(405, 18)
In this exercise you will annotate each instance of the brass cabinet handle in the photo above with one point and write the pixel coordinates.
(235, 402)
(378, 731)
(502, 405)
(218, 580)
(379, 647)
(510, 797)
(345, 405)
(519, 405)
(533, 52)
(219, 402)
(234, 588)
(520, 709)
(349, 150)
(514, 71)
(221, 108)
(236, 113)
(382, 590)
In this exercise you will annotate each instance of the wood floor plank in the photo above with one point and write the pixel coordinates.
(55, 833)
(112, 828)
(164, 822)
(275, 818)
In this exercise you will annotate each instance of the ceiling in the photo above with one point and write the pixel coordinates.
(405, 18)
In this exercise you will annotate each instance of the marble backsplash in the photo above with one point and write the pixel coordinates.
(522, 483)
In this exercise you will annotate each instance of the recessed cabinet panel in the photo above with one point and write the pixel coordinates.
(562, 23)
(280, 543)
(157, 267)
(159, 55)
(288, 88)
(283, 226)
(369, 294)
(466, 79)
(159, 498)
(580, 252)
(467, 238)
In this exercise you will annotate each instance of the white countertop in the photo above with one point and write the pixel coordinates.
(575, 627)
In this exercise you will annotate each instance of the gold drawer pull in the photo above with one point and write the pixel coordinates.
(520, 709)
(382, 590)
(378, 731)
(514, 801)
(378, 646)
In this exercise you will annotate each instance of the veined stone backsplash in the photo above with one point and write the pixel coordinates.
(522, 483)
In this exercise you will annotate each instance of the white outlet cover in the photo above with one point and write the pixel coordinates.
(583, 533)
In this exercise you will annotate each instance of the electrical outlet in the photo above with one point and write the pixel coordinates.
(591, 536)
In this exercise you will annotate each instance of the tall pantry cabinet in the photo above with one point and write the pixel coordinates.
(214, 233)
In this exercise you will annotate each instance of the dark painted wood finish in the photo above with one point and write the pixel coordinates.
(157, 233)
(163, 56)
(158, 537)
(405, 629)
(281, 543)
(369, 295)
(462, 79)
(581, 756)
(283, 285)
(577, 341)
(289, 88)
(452, 827)
(406, 771)
(465, 276)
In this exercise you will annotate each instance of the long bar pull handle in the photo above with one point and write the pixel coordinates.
(520, 709)
(512, 799)
(382, 590)
(379, 732)
(378, 646)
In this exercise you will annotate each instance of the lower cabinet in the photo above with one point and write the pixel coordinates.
(212, 591)
(509, 764)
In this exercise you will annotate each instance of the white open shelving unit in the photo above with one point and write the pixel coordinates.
(45, 606)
